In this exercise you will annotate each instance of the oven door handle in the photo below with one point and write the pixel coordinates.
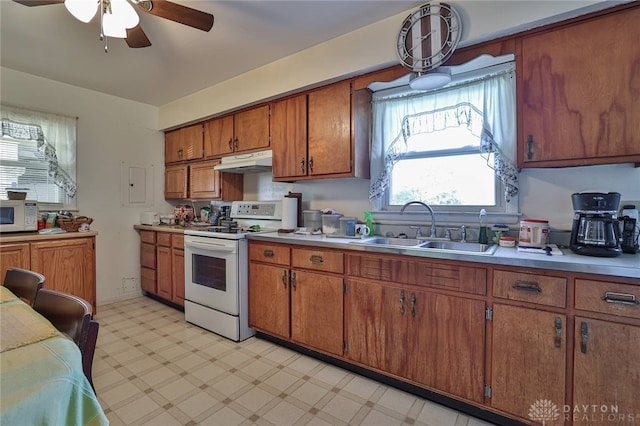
(209, 246)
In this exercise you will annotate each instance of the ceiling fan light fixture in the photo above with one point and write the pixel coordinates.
(82, 10)
(430, 80)
(124, 13)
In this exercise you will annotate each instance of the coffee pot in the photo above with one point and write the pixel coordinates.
(595, 230)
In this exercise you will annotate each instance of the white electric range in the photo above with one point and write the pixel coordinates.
(216, 269)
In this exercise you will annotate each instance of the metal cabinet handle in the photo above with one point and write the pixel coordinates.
(558, 341)
(413, 304)
(235, 142)
(401, 302)
(622, 298)
(529, 147)
(584, 332)
(180, 151)
(311, 163)
(268, 253)
(302, 165)
(527, 286)
(317, 260)
(230, 143)
(293, 281)
(284, 279)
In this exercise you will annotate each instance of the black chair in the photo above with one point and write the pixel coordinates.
(23, 283)
(71, 315)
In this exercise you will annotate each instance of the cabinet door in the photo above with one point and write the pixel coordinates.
(606, 369)
(317, 311)
(177, 275)
(68, 266)
(269, 299)
(579, 100)
(424, 330)
(184, 144)
(204, 182)
(14, 254)
(289, 137)
(175, 182)
(218, 137)
(164, 275)
(364, 324)
(251, 129)
(330, 147)
(529, 356)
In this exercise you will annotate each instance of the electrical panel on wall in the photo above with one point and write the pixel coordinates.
(136, 184)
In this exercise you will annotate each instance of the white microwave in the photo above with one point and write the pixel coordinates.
(18, 215)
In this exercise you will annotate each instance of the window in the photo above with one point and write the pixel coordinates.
(450, 148)
(37, 154)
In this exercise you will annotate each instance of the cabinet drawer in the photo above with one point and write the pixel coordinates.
(148, 237)
(269, 253)
(177, 241)
(148, 280)
(608, 298)
(329, 261)
(543, 290)
(163, 239)
(148, 256)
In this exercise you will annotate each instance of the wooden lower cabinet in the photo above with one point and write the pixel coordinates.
(606, 365)
(69, 265)
(17, 255)
(415, 334)
(303, 306)
(528, 357)
(317, 310)
(269, 299)
(162, 265)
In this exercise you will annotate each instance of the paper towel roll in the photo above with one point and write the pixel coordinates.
(289, 213)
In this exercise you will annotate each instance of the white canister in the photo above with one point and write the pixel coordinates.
(534, 233)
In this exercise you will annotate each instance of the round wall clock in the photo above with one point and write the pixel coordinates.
(429, 36)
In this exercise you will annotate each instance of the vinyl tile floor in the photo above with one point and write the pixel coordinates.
(151, 367)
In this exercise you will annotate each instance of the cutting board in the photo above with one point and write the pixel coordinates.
(555, 251)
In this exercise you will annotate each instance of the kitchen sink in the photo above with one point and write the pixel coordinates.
(459, 246)
(440, 245)
(388, 241)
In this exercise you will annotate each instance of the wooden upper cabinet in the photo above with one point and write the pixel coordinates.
(329, 137)
(184, 144)
(322, 134)
(175, 182)
(244, 131)
(289, 137)
(207, 184)
(579, 93)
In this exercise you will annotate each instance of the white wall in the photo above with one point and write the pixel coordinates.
(110, 130)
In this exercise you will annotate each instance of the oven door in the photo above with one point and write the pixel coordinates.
(211, 273)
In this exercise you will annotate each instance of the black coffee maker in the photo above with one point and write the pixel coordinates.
(596, 231)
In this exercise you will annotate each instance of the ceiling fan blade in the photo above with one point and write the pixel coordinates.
(181, 14)
(38, 2)
(137, 38)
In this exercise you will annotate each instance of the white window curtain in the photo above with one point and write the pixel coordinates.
(55, 136)
(486, 106)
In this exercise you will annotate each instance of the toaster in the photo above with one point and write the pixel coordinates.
(150, 218)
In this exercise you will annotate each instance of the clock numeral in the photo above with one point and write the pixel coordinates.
(425, 10)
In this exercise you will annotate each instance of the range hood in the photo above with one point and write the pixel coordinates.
(253, 162)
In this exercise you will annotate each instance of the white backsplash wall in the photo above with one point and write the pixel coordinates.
(544, 193)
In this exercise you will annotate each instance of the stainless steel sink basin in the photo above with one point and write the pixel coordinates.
(440, 245)
(459, 246)
(387, 241)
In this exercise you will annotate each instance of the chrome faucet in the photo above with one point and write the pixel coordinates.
(463, 233)
(432, 234)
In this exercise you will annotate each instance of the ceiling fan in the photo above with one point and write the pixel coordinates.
(132, 32)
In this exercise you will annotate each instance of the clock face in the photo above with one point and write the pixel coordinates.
(429, 36)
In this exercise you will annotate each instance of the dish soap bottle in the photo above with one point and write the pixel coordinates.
(483, 238)
(369, 221)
